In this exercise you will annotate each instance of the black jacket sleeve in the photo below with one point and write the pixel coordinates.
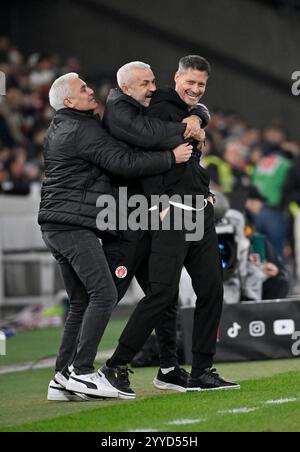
(128, 123)
(95, 145)
(155, 184)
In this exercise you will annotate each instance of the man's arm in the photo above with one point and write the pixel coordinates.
(95, 145)
(127, 123)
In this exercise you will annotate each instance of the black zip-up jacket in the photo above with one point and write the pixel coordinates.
(188, 178)
(125, 119)
(80, 157)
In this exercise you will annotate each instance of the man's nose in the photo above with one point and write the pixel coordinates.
(196, 91)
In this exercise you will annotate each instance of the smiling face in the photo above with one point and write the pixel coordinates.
(190, 85)
(82, 97)
(140, 85)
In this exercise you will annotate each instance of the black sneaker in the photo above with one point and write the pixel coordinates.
(209, 381)
(118, 378)
(175, 379)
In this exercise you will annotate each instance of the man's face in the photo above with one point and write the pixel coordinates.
(141, 86)
(190, 85)
(82, 97)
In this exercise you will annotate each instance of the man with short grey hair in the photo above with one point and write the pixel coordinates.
(79, 157)
(170, 251)
(125, 117)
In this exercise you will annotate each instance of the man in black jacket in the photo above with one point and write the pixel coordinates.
(79, 157)
(170, 251)
(125, 118)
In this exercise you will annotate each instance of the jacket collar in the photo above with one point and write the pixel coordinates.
(75, 113)
(169, 95)
(116, 95)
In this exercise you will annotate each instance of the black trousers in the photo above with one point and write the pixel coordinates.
(92, 295)
(132, 251)
(169, 253)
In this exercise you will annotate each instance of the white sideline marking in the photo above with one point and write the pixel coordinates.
(238, 411)
(280, 401)
(243, 410)
(43, 364)
(138, 430)
(185, 421)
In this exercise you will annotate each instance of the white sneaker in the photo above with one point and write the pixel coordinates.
(91, 384)
(61, 379)
(57, 393)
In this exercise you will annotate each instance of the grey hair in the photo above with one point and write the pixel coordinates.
(194, 62)
(124, 73)
(60, 90)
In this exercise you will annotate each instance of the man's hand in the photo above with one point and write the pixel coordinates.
(271, 270)
(200, 136)
(193, 127)
(183, 153)
(202, 112)
(211, 200)
(163, 213)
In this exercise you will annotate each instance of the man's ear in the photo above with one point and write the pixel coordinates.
(125, 89)
(176, 77)
(68, 103)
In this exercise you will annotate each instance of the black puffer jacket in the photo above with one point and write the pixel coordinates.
(188, 178)
(79, 157)
(125, 119)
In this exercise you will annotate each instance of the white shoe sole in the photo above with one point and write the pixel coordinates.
(222, 388)
(167, 386)
(57, 395)
(81, 388)
(126, 396)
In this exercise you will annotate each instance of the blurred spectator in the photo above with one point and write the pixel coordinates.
(237, 155)
(292, 199)
(25, 113)
(273, 137)
(15, 180)
(227, 173)
(269, 177)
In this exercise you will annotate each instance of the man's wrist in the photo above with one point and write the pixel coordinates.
(173, 158)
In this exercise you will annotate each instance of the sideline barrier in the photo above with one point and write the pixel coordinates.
(27, 269)
(252, 331)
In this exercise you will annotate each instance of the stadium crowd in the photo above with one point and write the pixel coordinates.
(258, 168)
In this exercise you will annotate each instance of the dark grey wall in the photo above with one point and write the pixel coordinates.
(249, 45)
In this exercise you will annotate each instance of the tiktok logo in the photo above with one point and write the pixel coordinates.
(234, 331)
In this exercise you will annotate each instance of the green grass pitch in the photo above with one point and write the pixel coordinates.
(269, 399)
